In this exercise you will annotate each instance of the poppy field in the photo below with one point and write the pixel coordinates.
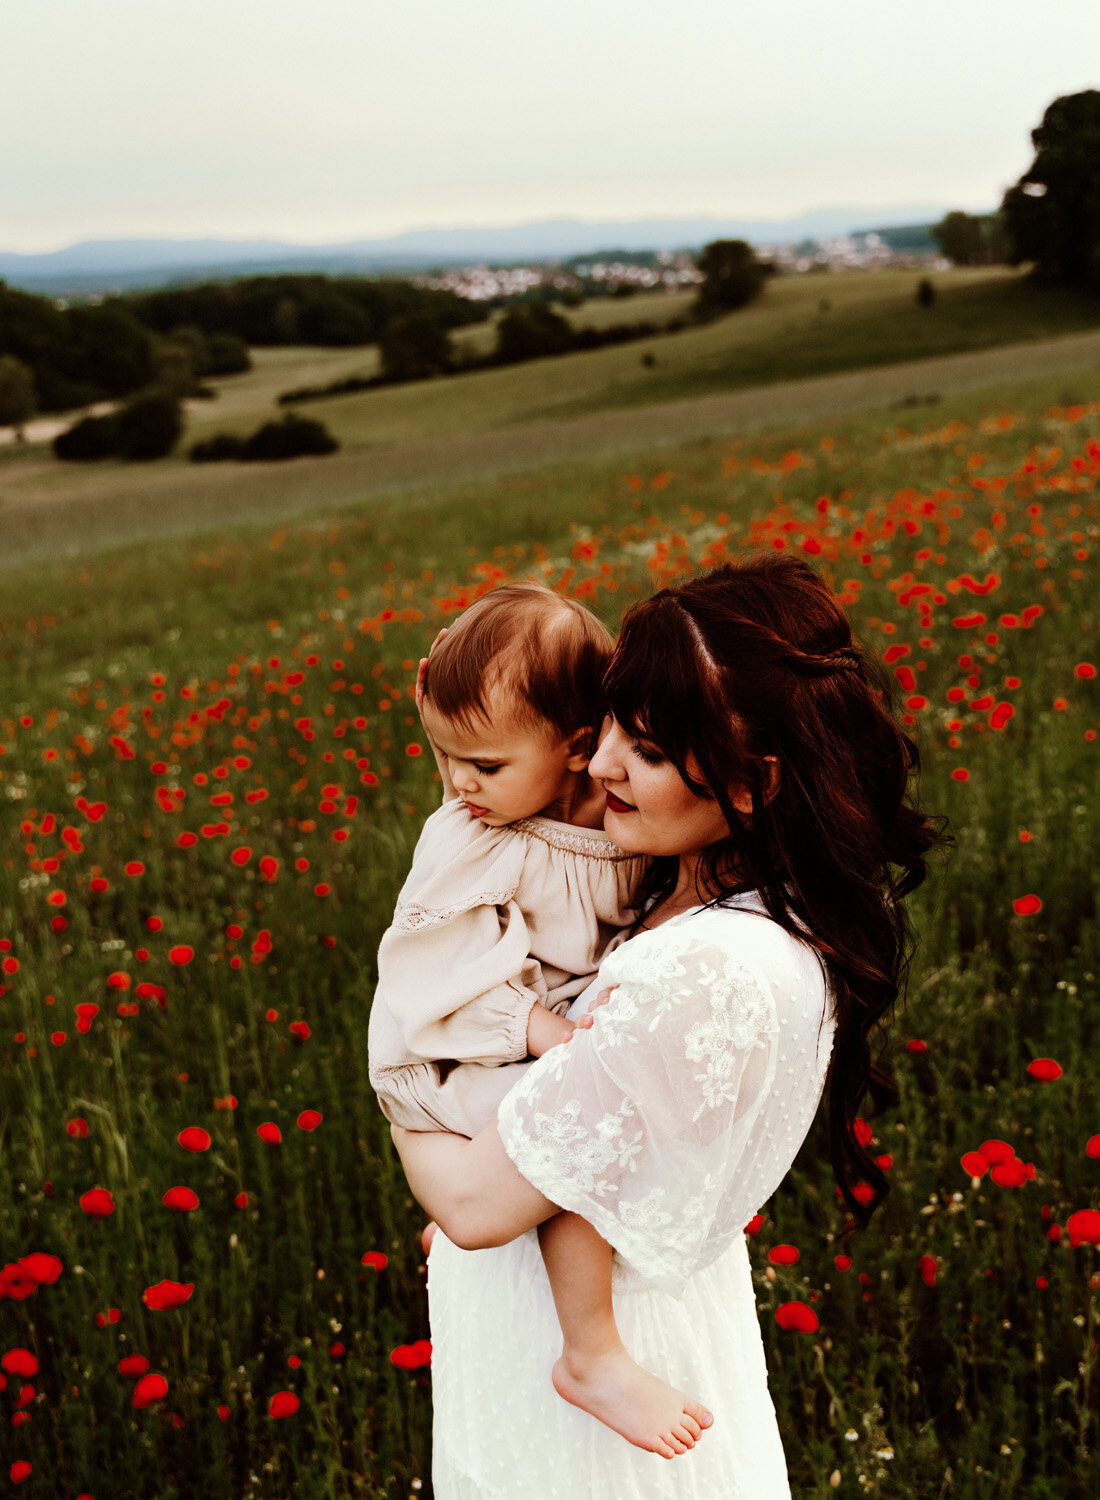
(212, 777)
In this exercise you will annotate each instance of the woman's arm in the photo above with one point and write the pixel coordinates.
(470, 1188)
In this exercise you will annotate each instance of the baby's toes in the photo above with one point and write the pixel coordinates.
(699, 1412)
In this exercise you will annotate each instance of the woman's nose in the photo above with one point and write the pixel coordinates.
(606, 765)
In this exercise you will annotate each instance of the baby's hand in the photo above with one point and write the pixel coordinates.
(601, 999)
(546, 1030)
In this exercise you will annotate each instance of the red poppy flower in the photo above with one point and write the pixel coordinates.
(1084, 1225)
(755, 1224)
(19, 1471)
(927, 1268)
(242, 855)
(1092, 1146)
(374, 1260)
(412, 1356)
(194, 1138)
(974, 1164)
(915, 1044)
(783, 1255)
(181, 954)
(843, 1262)
(960, 773)
(182, 1199)
(150, 1388)
(77, 1129)
(283, 1404)
(133, 1365)
(44, 1268)
(309, 1119)
(796, 1317)
(269, 868)
(134, 867)
(1008, 1174)
(1027, 906)
(97, 1203)
(1084, 669)
(119, 980)
(20, 1362)
(165, 1295)
(300, 1029)
(1045, 1069)
(269, 1132)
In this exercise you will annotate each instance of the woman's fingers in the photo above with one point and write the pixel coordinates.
(421, 678)
(603, 997)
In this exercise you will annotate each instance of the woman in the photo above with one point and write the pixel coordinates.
(750, 752)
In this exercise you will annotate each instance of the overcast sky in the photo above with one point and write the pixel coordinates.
(342, 119)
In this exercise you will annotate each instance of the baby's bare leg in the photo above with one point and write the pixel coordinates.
(595, 1372)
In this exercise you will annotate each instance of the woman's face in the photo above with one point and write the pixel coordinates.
(650, 808)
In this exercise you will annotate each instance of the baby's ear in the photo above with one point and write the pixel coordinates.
(582, 747)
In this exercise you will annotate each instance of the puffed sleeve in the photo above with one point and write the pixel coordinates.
(646, 1124)
(454, 968)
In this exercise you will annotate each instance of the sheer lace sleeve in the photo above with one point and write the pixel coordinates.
(653, 1124)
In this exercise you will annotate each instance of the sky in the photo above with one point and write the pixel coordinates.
(351, 119)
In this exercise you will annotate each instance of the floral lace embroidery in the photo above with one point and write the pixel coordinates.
(588, 843)
(411, 916)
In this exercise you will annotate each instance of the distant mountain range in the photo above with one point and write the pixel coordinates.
(107, 265)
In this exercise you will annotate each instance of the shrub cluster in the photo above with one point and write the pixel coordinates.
(292, 437)
(147, 427)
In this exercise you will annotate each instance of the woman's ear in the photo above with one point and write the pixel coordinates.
(582, 747)
(742, 797)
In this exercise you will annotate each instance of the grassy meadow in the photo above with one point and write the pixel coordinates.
(212, 778)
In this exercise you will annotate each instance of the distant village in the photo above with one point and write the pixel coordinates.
(622, 273)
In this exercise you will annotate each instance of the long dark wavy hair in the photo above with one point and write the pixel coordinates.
(754, 659)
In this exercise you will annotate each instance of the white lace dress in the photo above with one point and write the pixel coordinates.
(667, 1125)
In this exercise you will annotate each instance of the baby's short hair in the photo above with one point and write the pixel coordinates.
(548, 652)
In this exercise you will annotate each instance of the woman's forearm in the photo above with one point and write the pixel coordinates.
(470, 1187)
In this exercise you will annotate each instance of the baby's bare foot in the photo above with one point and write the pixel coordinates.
(631, 1401)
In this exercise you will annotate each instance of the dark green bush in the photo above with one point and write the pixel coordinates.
(90, 438)
(216, 449)
(292, 437)
(149, 426)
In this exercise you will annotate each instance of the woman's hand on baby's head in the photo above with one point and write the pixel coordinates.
(422, 670)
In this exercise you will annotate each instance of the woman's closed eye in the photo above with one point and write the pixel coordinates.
(650, 757)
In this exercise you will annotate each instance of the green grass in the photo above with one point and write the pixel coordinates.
(983, 1385)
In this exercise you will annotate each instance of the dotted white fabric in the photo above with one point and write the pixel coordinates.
(667, 1125)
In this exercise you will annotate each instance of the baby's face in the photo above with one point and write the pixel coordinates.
(502, 769)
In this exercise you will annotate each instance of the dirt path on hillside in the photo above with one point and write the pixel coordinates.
(79, 511)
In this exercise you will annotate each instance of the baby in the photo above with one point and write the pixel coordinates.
(515, 895)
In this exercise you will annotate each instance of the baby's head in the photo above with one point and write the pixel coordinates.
(514, 700)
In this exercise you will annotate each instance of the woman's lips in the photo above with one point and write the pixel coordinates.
(615, 804)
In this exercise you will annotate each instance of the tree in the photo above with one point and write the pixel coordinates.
(414, 347)
(961, 237)
(530, 331)
(149, 426)
(18, 398)
(732, 276)
(293, 437)
(1052, 214)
